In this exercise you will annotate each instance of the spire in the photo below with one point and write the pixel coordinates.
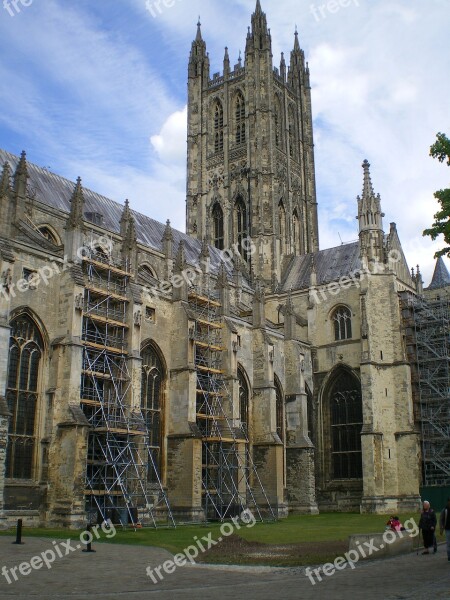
(198, 37)
(283, 67)
(124, 220)
(226, 62)
(370, 219)
(369, 204)
(76, 207)
(260, 32)
(367, 187)
(168, 235)
(180, 261)
(198, 60)
(441, 276)
(21, 175)
(5, 181)
(128, 227)
(296, 42)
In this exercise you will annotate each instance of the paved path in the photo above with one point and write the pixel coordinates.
(118, 572)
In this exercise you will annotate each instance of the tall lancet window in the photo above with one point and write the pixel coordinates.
(292, 133)
(282, 226)
(240, 119)
(217, 215)
(278, 123)
(152, 406)
(218, 127)
(296, 231)
(22, 394)
(241, 226)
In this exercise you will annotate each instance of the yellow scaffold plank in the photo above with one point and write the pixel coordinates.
(105, 320)
(102, 347)
(209, 370)
(119, 431)
(105, 293)
(204, 300)
(209, 346)
(107, 267)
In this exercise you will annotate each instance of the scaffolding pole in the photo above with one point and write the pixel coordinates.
(230, 480)
(122, 479)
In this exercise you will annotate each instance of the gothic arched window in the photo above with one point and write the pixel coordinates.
(279, 409)
(48, 234)
(152, 406)
(22, 394)
(278, 123)
(282, 226)
(217, 215)
(292, 133)
(244, 399)
(241, 225)
(346, 424)
(296, 231)
(342, 319)
(218, 127)
(240, 119)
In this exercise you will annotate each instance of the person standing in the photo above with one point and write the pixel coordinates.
(444, 525)
(427, 524)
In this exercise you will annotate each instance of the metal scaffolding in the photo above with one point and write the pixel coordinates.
(230, 480)
(122, 479)
(427, 324)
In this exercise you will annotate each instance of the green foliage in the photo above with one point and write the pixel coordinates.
(441, 226)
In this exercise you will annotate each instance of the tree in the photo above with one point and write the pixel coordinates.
(441, 150)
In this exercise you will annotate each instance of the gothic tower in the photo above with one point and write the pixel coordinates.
(250, 153)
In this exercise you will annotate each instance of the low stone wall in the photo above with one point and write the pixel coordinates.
(382, 545)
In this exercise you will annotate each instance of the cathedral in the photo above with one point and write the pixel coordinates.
(148, 374)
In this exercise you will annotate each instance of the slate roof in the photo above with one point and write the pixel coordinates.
(56, 191)
(441, 276)
(331, 264)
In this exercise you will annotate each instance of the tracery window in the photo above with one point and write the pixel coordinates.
(152, 400)
(346, 425)
(282, 226)
(280, 418)
(218, 127)
(342, 319)
(240, 119)
(22, 395)
(244, 398)
(241, 226)
(217, 215)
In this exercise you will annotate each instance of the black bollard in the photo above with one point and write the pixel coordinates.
(19, 532)
(89, 544)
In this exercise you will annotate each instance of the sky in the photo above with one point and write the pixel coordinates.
(98, 89)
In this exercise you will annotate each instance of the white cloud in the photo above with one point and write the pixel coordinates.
(170, 143)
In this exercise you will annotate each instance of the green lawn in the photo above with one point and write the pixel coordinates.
(295, 529)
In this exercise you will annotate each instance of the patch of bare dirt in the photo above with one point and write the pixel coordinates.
(235, 550)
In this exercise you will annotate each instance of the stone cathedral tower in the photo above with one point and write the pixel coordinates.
(250, 153)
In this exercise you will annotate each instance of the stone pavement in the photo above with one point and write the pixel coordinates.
(117, 572)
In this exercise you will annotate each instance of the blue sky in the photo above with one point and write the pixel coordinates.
(98, 89)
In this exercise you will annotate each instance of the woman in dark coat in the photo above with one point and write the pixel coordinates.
(427, 524)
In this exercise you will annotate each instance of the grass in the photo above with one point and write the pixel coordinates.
(297, 529)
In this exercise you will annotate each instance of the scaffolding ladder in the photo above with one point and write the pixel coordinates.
(230, 481)
(122, 480)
